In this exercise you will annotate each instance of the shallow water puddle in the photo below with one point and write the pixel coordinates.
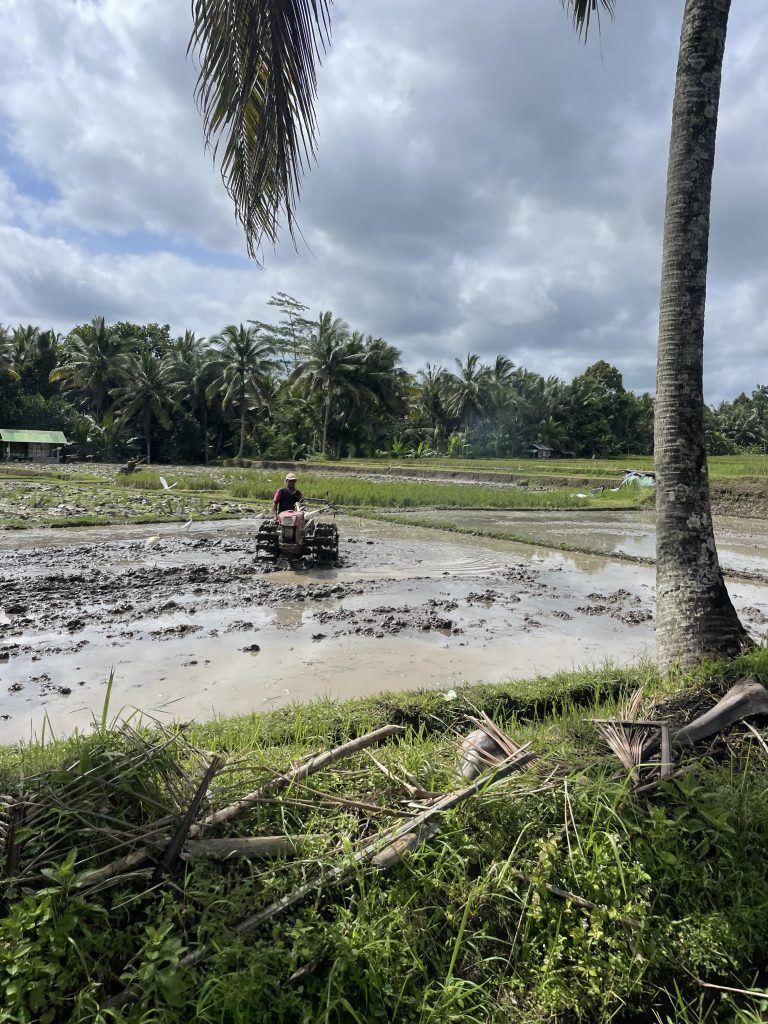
(194, 628)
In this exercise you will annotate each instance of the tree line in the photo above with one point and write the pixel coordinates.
(298, 386)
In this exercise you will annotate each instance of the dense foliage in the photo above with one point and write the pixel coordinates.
(300, 387)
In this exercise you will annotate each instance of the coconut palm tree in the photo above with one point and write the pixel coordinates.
(194, 371)
(146, 392)
(329, 366)
(502, 379)
(430, 401)
(22, 346)
(92, 363)
(6, 359)
(695, 617)
(385, 380)
(470, 390)
(242, 360)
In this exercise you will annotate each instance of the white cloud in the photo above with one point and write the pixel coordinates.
(484, 183)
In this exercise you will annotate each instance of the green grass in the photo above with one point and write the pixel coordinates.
(354, 492)
(720, 466)
(469, 927)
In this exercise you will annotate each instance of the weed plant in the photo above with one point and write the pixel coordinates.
(544, 898)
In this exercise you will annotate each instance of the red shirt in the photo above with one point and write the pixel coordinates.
(285, 499)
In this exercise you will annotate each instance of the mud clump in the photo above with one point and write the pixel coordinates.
(592, 609)
(182, 629)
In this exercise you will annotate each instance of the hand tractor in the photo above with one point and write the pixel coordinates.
(297, 534)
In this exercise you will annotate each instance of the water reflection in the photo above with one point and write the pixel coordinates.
(288, 616)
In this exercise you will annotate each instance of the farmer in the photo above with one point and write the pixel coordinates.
(285, 498)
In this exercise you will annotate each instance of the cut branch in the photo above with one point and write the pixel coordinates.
(172, 851)
(253, 846)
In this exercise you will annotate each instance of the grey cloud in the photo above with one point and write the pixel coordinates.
(483, 182)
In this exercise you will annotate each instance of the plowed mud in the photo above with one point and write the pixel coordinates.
(193, 626)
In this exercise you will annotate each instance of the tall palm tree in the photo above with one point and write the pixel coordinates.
(329, 365)
(384, 376)
(502, 379)
(92, 364)
(146, 392)
(194, 370)
(22, 346)
(242, 361)
(695, 617)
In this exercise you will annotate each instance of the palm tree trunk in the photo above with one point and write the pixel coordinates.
(695, 617)
(204, 425)
(242, 429)
(147, 433)
(325, 419)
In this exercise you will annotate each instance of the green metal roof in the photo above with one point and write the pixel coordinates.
(33, 436)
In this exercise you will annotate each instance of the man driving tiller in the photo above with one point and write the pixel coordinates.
(286, 498)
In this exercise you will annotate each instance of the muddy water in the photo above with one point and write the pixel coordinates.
(742, 543)
(194, 628)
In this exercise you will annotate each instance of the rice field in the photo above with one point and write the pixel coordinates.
(720, 466)
(357, 492)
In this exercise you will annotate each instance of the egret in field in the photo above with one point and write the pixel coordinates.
(166, 485)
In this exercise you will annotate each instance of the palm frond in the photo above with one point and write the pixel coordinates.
(581, 12)
(256, 89)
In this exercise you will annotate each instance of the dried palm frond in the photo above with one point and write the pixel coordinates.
(631, 710)
(628, 737)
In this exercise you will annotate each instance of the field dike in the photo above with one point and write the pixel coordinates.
(362, 861)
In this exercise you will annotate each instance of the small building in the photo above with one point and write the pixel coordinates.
(538, 451)
(31, 445)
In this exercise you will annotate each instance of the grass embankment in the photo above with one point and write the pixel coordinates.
(552, 896)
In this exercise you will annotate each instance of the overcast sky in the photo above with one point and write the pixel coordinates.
(484, 182)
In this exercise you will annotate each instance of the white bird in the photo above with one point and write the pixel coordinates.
(166, 485)
(187, 526)
(150, 541)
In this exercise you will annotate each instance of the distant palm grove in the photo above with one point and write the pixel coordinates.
(300, 387)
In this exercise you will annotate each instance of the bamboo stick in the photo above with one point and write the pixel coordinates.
(282, 782)
(253, 846)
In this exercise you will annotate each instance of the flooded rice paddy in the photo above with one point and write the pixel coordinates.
(193, 627)
(742, 543)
